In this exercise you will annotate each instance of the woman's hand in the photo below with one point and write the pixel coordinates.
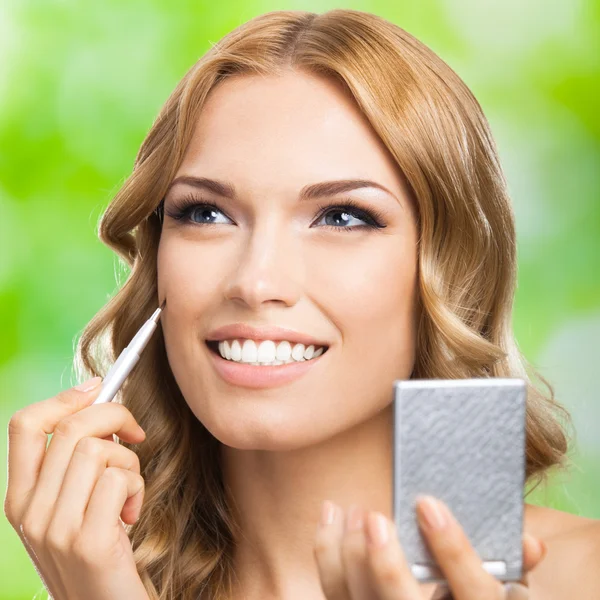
(64, 501)
(360, 558)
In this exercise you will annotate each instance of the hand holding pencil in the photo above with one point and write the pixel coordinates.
(68, 502)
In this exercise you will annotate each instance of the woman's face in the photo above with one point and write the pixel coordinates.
(269, 257)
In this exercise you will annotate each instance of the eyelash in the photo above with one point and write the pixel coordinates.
(373, 218)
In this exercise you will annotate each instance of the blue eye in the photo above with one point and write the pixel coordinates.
(204, 212)
(193, 211)
(347, 213)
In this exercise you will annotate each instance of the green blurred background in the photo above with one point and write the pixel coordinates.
(81, 82)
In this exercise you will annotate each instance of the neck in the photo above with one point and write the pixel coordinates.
(278, 497)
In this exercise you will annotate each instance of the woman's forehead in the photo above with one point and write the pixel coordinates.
(281, 129)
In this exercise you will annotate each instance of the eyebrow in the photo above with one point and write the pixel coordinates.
(309, 192)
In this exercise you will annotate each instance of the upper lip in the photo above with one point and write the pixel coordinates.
(261, 332)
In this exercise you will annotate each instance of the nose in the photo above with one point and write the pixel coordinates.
(269, 269)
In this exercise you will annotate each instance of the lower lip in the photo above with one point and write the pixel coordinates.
(257, 376)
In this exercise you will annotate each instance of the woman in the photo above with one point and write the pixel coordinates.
(329, 175)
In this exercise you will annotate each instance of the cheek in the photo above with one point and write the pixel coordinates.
(370, 295)
(188, 274)
(188, 284)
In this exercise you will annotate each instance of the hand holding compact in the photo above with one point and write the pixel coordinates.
(64, 501)
(359, 557)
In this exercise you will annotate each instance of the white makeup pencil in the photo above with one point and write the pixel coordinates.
(128, 358)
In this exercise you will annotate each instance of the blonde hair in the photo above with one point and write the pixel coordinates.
(436, 131)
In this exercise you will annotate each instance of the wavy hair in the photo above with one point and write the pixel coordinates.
(436, 131)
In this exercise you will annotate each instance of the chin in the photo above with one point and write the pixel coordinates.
(267, 430)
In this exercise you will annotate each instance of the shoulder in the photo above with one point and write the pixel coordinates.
(570, 567)
(549, 523)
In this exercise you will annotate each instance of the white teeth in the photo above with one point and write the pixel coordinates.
(267, 352)
(249, 351)
(225, 349)
(284, 351)
(298, 352)
(236, 351)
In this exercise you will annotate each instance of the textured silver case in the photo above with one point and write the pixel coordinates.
(463, 441)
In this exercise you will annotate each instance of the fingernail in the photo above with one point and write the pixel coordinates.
(327, 513)
(354, 518)
(432, 512)
(88, 385)
(378, 532)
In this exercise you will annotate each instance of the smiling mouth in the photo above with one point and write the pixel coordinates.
(213, 346)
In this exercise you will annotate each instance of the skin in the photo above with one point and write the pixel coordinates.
(271, 137)
(64, 500)
(269, 259)
(326, 436)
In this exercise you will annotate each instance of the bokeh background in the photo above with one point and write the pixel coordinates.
(81, 82)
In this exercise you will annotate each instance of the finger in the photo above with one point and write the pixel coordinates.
(534, 551)
(97, 420)
(354, 555)
(515, 591)
(27, 438)
(461, 565)
(327, 552)
(90, 459)
(390, 574)
(101, 522)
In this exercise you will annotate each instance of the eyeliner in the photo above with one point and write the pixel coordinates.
(128, 358)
